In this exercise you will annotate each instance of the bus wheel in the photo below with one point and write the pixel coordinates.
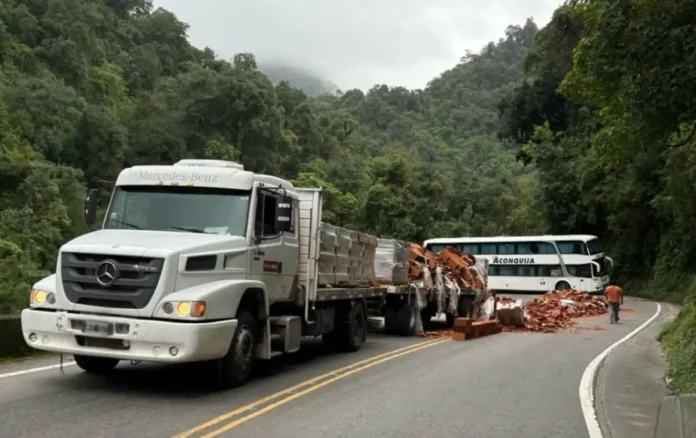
(562, 285)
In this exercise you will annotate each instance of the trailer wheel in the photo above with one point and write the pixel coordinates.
(95, 365)
(466, 307)
(426, 316)
(234, 369)
(400, 320)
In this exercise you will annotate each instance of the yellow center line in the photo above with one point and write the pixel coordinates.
(286, 391)
(313, 388)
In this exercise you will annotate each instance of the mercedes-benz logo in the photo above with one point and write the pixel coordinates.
(106, 273)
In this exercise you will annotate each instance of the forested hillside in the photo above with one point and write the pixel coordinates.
(90, 86)
(607, 116)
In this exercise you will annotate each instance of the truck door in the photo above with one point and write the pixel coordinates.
(273, 258)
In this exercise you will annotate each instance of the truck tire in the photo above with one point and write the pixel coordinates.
(465, 309)
(400, 320)
(234, 369)
(96, 365)
(349, 333)
(426, 316)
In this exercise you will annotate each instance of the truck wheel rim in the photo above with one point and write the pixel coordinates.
(244, 350)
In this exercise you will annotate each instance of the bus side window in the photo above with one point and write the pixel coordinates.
(506, 248)
(527, 248)
(545, 248)
(472, 248)
(508, 271)
(488, 248)
(550, 271)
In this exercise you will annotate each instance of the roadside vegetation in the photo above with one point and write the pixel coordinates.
(588, 125)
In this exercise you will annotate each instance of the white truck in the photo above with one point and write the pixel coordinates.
(203, 261)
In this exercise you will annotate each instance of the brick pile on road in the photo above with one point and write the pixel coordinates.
(555, 310)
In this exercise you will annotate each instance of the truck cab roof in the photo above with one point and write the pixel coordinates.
(201, 173)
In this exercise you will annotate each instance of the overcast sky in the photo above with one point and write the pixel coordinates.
(356, 43)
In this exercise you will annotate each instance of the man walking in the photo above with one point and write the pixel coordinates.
(614, 296)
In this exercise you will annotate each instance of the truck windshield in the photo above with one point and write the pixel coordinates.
(184, 209)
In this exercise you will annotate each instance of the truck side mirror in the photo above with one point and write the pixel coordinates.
(283, 213)
(91, 204)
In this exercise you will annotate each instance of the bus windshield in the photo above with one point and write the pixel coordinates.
(594, 246)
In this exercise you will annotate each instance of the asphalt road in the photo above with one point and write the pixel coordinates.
(510, 384)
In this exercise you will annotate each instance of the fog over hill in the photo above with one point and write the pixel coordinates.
(298, 77)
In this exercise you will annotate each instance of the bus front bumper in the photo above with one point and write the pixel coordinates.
(128, 338)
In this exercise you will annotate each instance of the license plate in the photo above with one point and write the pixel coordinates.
(99, 328)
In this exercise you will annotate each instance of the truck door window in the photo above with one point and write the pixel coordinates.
(264, 223)
(294, 217)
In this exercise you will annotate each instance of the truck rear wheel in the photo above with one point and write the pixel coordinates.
(350, 329)
(234, 369)
(400, 319)
(96, 365)
(426, 316)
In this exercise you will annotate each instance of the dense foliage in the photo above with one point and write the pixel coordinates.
(90, 86)
(607, 116)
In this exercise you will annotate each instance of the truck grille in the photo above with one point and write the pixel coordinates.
(104, 280)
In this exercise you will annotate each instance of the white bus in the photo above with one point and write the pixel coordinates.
(537, 263)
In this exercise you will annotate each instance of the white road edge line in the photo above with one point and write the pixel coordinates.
(36, 370)
(587, 382)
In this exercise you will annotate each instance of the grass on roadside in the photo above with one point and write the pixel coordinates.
(679, 343)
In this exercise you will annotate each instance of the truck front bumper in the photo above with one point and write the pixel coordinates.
(132, 339)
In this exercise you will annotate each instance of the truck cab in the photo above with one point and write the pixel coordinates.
(188, 266)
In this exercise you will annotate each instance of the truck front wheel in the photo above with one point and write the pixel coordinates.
(234, 369)
(96, 365)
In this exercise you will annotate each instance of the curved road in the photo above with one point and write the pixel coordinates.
(510, 384)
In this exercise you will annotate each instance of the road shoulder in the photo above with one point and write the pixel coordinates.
(631, 384)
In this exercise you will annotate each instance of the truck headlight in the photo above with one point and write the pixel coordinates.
(38, 297)
(185, 308)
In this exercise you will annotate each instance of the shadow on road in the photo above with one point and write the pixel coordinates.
(196, 380)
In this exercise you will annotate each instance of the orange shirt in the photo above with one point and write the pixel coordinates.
(613, 294)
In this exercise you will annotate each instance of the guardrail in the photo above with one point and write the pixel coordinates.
(11, 339)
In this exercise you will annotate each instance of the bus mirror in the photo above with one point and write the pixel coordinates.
(283, 213)
(91, 204)
(611, 263)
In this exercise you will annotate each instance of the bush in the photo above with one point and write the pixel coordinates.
(679, 342)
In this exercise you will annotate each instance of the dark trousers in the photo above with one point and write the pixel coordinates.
(613, 312)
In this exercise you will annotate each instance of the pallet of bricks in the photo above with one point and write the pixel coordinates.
(346, 257)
